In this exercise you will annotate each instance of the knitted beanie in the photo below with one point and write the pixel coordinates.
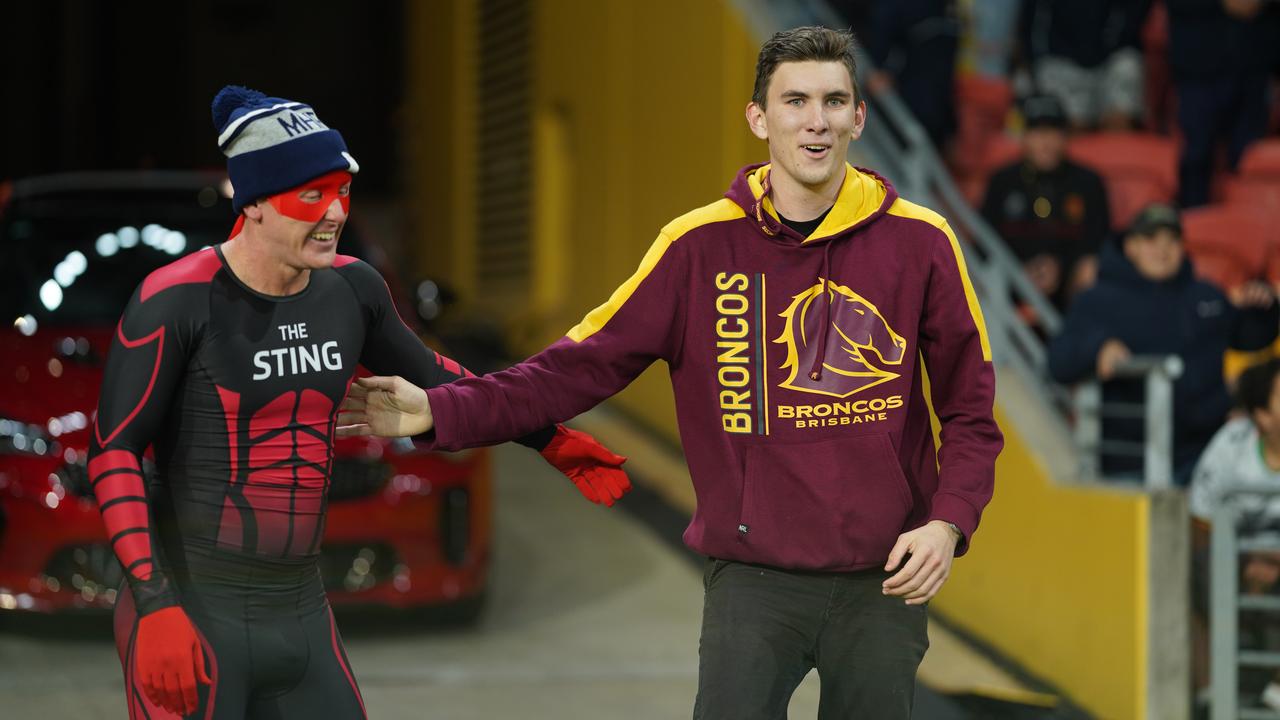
(273, 144)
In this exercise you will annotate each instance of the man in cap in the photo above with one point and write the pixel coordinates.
(231, 363)
(1052, 213)
(1148, 302)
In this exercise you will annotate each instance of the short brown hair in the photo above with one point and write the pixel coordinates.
(1254, 386)
(803, 44)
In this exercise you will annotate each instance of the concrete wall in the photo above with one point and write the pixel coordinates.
(1083, 585)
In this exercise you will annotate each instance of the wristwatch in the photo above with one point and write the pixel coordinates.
(956, 529)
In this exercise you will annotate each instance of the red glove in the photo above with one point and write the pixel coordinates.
(170, 660)
(596, 471)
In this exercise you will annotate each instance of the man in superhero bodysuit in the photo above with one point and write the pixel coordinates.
(232, 362)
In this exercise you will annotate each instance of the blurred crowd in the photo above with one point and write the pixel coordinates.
(1128, 154)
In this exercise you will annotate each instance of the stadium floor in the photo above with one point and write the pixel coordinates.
(593, 613)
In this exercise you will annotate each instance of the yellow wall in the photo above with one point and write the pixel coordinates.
(438, 136)
(1057, 581)
(638, 118)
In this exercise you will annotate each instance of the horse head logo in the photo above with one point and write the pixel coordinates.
(858, 329)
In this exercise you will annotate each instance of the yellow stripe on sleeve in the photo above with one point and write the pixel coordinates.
(719, 211)
(597, 318)
(904, 208)
(969, 295)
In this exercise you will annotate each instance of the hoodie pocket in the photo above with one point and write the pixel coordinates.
(836, 504)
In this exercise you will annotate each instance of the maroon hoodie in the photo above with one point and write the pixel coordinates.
(797, 375)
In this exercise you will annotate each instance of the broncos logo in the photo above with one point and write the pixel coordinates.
(860, 328)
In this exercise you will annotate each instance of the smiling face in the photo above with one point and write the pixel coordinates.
(809, 117)
(301, 226)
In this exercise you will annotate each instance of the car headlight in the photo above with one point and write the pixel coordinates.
(19, 438)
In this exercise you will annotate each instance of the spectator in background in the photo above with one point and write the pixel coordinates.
(1051, 212)
(1148, 302)
(1244, 453)
(1088, 53)
(1220, 53)
(913, 45)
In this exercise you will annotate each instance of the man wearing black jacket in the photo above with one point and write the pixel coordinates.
(1052, 213)
(1148, 302)
(1221, 53)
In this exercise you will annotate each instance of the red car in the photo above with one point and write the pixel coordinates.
(406, 527)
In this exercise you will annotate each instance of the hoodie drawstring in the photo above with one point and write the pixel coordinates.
(815, 373)
(757, 208)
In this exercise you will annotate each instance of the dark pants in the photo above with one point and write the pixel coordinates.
(1233, 108)
(271, 649)
(764, 629)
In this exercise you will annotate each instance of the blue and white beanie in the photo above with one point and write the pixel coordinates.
(273, 144)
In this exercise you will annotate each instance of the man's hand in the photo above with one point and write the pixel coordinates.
(170, 661)
(1084, 274)
(932, 549)
(1253, 294)
(1261, 572)
(386, 407)
(1112, 353)
(1242, 9)
(596, 472)
(1045, 272)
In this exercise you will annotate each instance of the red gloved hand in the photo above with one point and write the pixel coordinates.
(169, 660)
(593, 469)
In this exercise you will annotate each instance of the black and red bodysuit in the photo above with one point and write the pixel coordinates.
(237, 393)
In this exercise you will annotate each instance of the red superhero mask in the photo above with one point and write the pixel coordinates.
(290, 203)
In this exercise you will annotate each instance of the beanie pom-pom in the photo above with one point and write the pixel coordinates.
(229, 99)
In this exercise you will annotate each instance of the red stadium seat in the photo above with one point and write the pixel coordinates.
(973, 188)
(1125, 153)
(1230, 244)
(1127, 195)
(1158, 86)
(1261, 159)
(1221, 268)
(983, 101)
(999, 150)
(982, 104)
(1138, 168)
(1253, 190)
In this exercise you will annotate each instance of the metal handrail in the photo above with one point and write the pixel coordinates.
(1225, 604)
(1159, 374)
(925, 171)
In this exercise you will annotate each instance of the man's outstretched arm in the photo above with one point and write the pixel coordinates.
(641, 322)
(392, 348)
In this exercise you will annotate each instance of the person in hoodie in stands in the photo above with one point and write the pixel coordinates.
(798, 314)
(1147, 301)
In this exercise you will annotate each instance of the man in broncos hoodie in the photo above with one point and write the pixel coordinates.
(1148, 302)
(797, 314)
